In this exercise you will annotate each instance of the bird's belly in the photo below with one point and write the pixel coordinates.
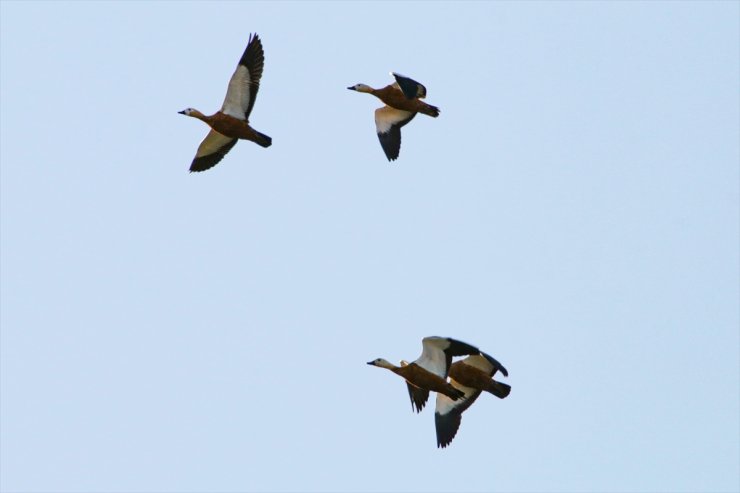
(401, 103)
(231, 127)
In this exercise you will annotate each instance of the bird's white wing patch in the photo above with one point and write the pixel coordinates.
(448, 413)
(386, 117)
(238, 94)
(479, 362)
(213, 142)
(445, 405)
(211, 151)
(432, 357)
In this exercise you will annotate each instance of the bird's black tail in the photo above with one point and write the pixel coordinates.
(262, 139)
(430, 110)
(499, 389)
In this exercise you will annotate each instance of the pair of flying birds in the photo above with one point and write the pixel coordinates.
(231, 123)
(468, 378)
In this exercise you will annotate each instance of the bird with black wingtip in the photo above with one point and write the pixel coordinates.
(231, 122)
(403, 101)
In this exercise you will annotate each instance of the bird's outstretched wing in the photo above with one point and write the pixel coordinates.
(409, 87)
(212, 150)
(388, 123)
(245, 81)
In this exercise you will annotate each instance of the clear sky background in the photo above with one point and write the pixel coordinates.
(573, 212)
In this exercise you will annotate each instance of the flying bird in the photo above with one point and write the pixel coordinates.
(403, 102)
(471, 376)
(231, 122)
(429, 371)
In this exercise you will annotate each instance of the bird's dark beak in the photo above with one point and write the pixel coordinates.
(182, 112)
(371, 363)
(352, 88)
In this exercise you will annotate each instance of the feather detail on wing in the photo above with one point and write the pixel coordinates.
(409, 87)
(445, 405)
(418, 397)
(486, 363)
(244, 83)
(388, 123)
(212, 150)
(448, 413)
(437, 352)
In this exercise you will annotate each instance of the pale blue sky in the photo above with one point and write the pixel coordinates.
(573, 212)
